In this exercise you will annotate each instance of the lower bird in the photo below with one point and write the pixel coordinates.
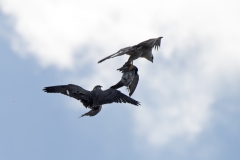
(129, 78)
(92, 99)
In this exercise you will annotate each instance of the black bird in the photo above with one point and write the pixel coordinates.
(129, 78)
(143, 49)
(92, 99)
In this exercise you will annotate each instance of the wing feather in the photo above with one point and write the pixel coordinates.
(70, 90)
(121, 52)
(111, 95)
(152, 43)
(134, 84)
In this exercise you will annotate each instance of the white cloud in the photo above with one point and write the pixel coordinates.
(199, 50)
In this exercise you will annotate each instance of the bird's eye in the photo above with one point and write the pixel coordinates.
(152, 57)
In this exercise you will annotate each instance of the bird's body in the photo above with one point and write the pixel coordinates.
(143, 49)
(129, 78)
(92, 99)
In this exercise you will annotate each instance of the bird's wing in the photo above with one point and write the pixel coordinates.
(119, 53)
(133, 85)
(71, 90)
(152, 43)
(118, 85)
(111, 95)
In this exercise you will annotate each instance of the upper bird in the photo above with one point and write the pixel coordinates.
(129, 78)
(143, 49)
(92, 99)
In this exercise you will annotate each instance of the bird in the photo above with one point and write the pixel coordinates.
(129, 78)
(92, 99)
(143, 49)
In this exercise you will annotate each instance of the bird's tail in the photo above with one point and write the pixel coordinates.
(93, 112)
(118, 85)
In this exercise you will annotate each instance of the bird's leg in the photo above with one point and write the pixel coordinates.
(130, 66)
(129, 60)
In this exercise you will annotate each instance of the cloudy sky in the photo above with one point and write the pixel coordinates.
(189, 96)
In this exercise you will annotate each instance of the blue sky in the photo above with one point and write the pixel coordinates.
(189, 96)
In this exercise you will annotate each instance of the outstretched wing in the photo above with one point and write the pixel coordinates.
(111, 95)
(118, 85)
(119, 53)
(152, 43)
(133, 85)
(70, 90)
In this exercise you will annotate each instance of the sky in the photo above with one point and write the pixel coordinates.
(189, 95)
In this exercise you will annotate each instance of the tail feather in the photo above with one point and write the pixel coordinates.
(93, 112)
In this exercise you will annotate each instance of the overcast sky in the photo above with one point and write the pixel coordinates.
(189, 96)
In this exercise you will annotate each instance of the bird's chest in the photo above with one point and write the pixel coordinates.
(95, 96)
(127, 78)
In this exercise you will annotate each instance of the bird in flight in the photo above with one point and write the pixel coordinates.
(143, 49)
(129, 78)
(92, 99)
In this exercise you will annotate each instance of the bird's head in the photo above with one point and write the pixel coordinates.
(97, 87)
(149, 57)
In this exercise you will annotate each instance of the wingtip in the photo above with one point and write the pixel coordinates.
(130, 94)
(48, 89)
(82, 116)
(103, 60)
(137, 103)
